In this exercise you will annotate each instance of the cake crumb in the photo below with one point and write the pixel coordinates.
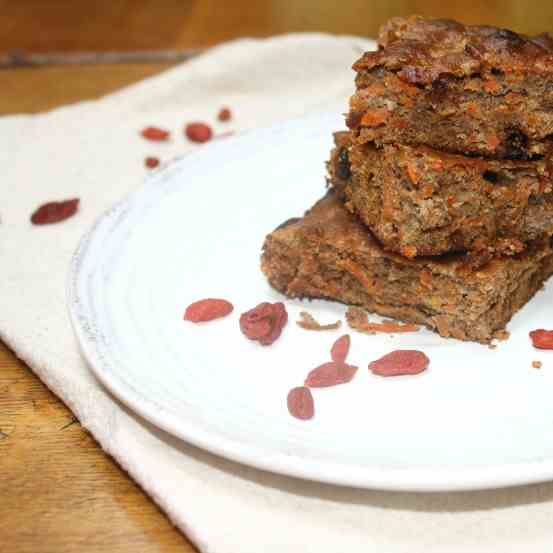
(536, 364)
(359, 320)
(308, 322)
(502, 335)
(492, 346)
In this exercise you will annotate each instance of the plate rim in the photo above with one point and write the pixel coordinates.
(405, 478)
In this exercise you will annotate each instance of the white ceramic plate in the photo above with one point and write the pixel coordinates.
(477, 418)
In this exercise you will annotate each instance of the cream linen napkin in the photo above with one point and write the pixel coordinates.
(92, 150)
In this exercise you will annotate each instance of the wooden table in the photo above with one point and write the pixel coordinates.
(58, 491)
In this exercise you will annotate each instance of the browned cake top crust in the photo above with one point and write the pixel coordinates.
(421, 50)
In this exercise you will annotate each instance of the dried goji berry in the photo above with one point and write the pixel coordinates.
(542, 339)
(54, 212)
(300, 403)
(151, 162)
(224, 114)
(198, 132)
(330, 374)
(264, 322)
(340, 349)
(155, 133)
(207, 310)
(400, 362)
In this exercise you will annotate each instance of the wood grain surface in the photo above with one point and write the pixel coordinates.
(58, 491)
(46, 25)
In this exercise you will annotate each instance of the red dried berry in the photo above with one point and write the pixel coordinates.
(151, 162)
(264, 322)
(300, 403)
(207, 310)
(340, 349)
(542, 339)
(400, 362)
(330, 374)
(224, 114)
(155, 133)
(198, 132)
(54, 212)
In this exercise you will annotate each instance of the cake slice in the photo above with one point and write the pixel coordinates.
(329, 254)
(421, 201)
(464, 89)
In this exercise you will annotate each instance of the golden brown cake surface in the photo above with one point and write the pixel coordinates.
(464, 89)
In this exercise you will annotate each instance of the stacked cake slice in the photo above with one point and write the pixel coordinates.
(441, 203)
